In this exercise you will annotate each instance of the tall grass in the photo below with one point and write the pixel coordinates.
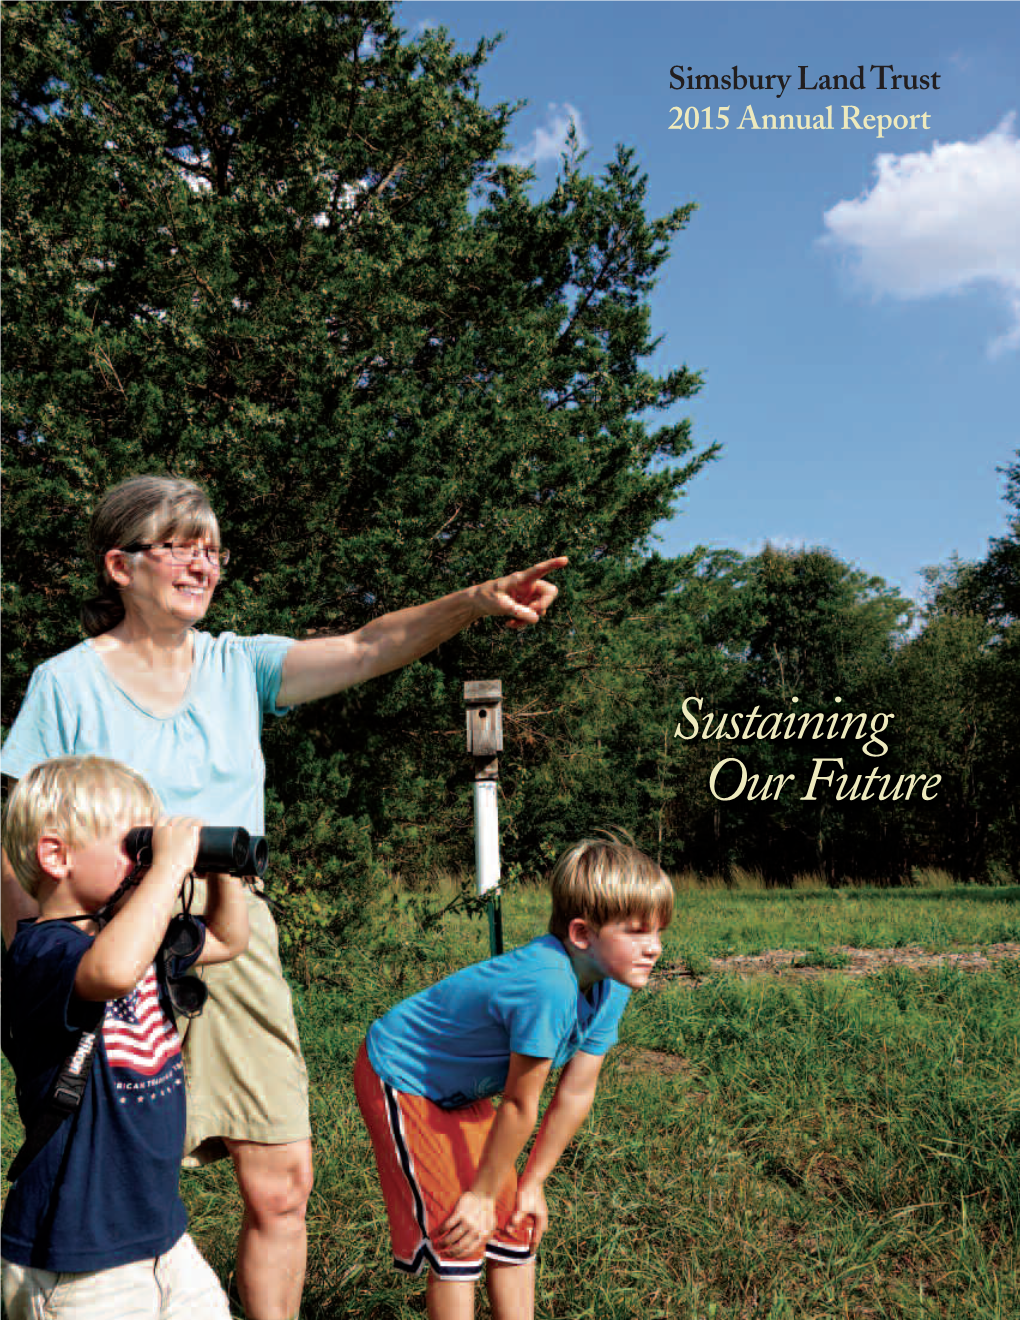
(758, 1150)
(832, 1148)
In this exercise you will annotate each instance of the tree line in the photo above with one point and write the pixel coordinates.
(277, 249)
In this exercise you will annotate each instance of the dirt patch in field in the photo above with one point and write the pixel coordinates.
(633, 1063)
(802, 964)
(632, 1058)
(629, 1060)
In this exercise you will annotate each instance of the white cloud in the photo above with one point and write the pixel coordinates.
(549, 140)
(940, 221)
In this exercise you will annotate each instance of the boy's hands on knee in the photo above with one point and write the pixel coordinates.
(531, 1211)
(470, 1225)
(472, 1222)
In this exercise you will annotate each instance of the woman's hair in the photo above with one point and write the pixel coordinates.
(608, 879)
(140, 509)
(77, 798)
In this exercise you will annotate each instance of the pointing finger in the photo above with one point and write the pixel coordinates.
(537, 571)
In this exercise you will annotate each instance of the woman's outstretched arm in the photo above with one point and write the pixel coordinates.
(321, 666)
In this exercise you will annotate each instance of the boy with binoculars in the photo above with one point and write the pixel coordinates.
(94, 1226)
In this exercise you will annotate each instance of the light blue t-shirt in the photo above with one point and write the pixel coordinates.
(453, 1041)
(204, 760)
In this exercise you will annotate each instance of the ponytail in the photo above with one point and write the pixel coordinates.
(102, 612)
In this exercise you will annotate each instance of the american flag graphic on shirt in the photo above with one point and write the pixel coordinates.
(136, 1032)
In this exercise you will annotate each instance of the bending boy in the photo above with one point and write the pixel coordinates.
(446, 1155)
(94, 1225)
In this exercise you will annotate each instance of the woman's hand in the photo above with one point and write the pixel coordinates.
(524, 596)
(467, 1229)
(320, 666)
(530, 1206)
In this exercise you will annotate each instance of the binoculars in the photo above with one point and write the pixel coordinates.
(226, 849)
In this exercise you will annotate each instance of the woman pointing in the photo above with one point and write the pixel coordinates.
(185, 708)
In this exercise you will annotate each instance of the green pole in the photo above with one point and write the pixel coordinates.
(495, 925)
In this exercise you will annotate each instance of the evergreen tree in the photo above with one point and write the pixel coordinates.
(272, 248)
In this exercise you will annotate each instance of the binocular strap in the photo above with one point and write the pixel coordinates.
(63, 1100)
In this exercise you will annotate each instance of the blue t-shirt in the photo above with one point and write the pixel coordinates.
(103, 1191)
(453, 1041)
(204, 760)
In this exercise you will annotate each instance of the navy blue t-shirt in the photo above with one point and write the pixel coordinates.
(103, 1191)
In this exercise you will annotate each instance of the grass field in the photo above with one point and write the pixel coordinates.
(832, 1147)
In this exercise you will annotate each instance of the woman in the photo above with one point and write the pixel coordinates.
(185, 708)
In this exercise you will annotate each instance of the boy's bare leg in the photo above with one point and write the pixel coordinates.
(449, 1299)
(511, 1290)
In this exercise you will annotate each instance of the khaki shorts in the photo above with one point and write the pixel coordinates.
(246, 1077)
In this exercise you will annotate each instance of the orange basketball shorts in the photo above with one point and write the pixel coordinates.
(427, 1157)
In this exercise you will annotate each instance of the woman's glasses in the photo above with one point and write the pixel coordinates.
(183, 552)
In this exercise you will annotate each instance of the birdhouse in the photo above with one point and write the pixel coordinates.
(484, 701)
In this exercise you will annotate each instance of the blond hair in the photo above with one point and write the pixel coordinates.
(143, 508)
(608, 879)
(77, 798)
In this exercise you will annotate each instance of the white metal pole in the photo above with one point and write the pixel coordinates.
(484, 699)
(486, 835)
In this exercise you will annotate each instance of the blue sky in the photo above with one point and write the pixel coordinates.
(853, 301)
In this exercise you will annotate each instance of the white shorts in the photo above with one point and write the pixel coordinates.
(179, 1285)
